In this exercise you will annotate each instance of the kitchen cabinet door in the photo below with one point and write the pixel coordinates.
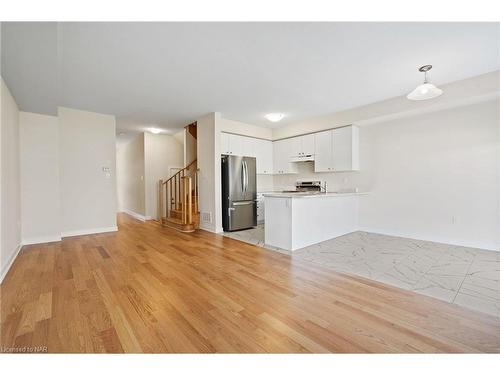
(278, 157)
(264, 156)
(268, 164)
(307, 144)
(248, 146)
(345, 154)
(295, 145)
(302, 145)
(235, 144)
(224, 143)
(282, 153)
(323, 155)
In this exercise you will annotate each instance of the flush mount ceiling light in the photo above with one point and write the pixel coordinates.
(426, 90)
(155, 130)
(275, 117)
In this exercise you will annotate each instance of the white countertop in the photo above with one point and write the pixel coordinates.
(311, 195)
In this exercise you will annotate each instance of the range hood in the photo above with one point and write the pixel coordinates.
(300, 158)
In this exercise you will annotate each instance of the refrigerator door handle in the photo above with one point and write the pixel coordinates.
(245, 169)
(243, 177)
(229, 211)
(246, 177)
(242, 203)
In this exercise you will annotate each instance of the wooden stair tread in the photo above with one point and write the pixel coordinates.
(179, 225)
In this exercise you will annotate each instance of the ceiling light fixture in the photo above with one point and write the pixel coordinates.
(275, 117)
(426, 90)
(155, 130)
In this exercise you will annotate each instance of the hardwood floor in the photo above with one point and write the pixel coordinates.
(149, 288)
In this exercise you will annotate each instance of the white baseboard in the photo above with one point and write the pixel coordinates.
(448, 241)
(137, 216)
(207, 227)
(41, 239)
(211, 229)
(6, 269)
(83, 232)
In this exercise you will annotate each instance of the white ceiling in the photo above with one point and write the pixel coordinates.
(171, 73)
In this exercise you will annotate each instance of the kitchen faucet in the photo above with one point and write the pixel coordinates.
(324, 188)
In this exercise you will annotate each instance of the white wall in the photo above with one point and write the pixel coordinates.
(10, 181)
(208, 151)
(435, 177)
(265, 183)
(455, 94)
(242, 128)
(130, 174)
(40, 195)
(162, 153)
(432, 177)
(190, 148)
(88, 194)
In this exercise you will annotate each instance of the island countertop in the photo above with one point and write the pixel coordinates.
(296, 220)
(312, 195)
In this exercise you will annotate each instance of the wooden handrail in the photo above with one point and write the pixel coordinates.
(187, 167)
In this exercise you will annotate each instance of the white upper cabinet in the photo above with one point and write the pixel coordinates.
(295, 145)
(235, 144)
(283, 152)
(346, 149)
(302, 145)
(248, 147)
(337, 150)
(231, 144)
(323, 155)
(261, 149)
(264, 155)
(224, 143)
(308, 144)
(334, 150)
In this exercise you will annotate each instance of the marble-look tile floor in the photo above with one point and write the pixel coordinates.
(465, 276)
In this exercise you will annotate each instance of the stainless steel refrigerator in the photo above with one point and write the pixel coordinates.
(239, 192)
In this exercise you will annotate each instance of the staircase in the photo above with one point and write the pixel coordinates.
(178, 199)
(178, 196)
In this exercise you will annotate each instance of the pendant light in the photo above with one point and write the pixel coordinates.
(426, 90)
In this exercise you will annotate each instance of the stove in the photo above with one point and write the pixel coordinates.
(305, 186)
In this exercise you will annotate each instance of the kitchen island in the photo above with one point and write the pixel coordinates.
(297, 220)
